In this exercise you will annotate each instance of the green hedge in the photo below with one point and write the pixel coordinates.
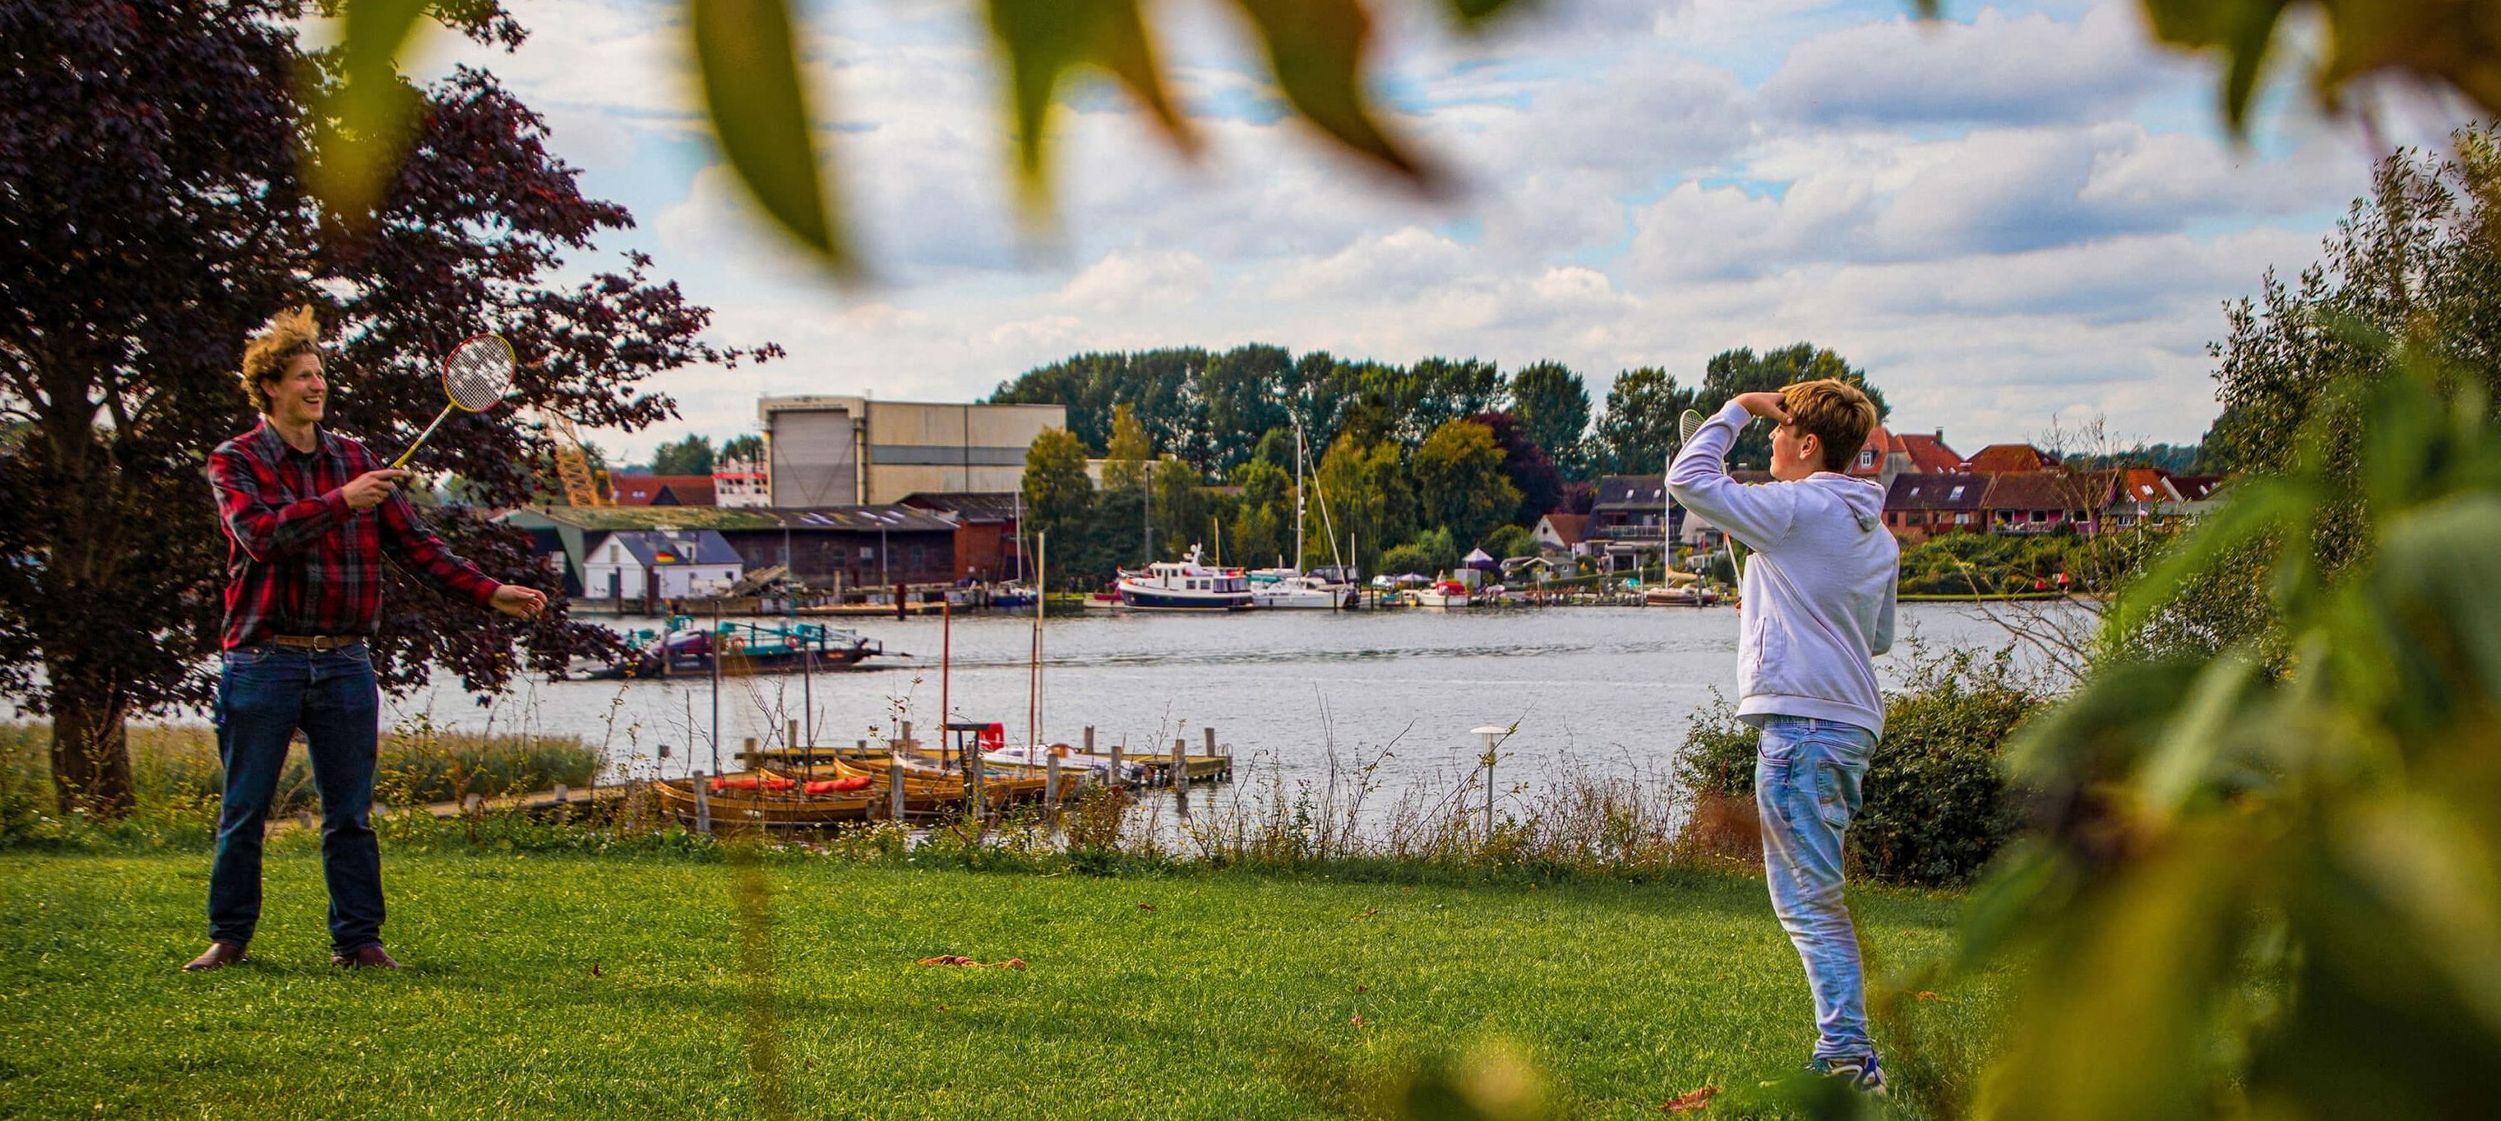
(1936, 805)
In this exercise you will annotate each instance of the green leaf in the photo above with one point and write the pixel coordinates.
(1316, 49)
(1474, 14)
(759, 109)
(364, 124)
(1045, 39)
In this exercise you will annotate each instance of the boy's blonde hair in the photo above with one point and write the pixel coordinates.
(266, 355)
(1835, 412)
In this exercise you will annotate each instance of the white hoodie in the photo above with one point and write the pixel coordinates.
(1818, 588)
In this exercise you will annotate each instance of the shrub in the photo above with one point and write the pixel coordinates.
(1936, 806)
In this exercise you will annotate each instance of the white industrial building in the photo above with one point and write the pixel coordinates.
(844, 451)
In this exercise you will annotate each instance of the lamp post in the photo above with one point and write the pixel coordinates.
(1490, 737)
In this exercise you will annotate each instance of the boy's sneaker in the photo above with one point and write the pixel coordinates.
(1863, 1074)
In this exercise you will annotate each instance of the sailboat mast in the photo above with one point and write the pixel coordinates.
(1298, 496)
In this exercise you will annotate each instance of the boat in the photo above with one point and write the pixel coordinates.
(1301, 591)
(1441, 593)
(766, 798)
(1680, 589)
(745, 647)
(1184, 585)
(1332, 588)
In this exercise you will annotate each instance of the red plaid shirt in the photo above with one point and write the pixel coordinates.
(301, 562)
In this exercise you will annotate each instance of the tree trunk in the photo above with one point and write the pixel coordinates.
(91, 750)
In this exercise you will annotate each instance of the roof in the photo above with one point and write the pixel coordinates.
(1956, 491)
(2196, 488)
(1928, 453)
(1997, 459)
(657, 548)
(971, 506)
(1633, 492)
(662, 490)
(2052, 490)
(732, 518)
(2149, 484)
(1571, 529)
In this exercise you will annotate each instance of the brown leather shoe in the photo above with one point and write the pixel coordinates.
(364, 957)
(219, 956)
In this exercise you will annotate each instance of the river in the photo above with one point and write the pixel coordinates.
(1603, 691)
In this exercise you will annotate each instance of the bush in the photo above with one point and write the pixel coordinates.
(1936, 807)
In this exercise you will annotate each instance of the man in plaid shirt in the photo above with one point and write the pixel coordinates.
(309, 515)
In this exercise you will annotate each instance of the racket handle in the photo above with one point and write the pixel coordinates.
(420, 441)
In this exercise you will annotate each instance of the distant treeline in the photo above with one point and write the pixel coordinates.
(1213, 409)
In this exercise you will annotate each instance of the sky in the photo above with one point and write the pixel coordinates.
(2020, 218)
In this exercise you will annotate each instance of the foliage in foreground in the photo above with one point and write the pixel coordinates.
(2278, 895)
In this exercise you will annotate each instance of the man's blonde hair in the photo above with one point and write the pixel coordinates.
(266, 355)
(1833, 411)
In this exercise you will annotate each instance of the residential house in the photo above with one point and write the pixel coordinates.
(1629, 518)
(2045, 501)
(1562, 533)
(1920, 506)
(660, 564)
(2005, 459)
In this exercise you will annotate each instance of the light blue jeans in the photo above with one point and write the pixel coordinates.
(1806, 786)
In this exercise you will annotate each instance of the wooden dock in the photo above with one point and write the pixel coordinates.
(1201, 768)
(559, 800)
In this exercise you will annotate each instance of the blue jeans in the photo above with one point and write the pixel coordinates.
(264, 696)
(1806, 779)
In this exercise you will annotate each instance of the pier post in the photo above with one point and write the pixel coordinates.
(976, 802)
(1181, 775)
(1050, 791)
(1211, 741)
(790, 740)
(703, 802)
(749, 755)
(894, 788)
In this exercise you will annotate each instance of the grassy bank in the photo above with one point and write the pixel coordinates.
(547, 985)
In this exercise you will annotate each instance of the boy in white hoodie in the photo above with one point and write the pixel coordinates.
(1818, 606)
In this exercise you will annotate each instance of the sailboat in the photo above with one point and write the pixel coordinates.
(1296, 587)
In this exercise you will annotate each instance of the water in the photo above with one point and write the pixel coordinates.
(1603, 691)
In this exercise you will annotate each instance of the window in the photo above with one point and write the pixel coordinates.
(868, 553)
(2039, 516)
(1957, 494)
(1962, 517)
(1866, 457)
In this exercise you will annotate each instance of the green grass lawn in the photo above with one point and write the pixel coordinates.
(574, 986)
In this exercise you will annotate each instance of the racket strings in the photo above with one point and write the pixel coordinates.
(478, 373)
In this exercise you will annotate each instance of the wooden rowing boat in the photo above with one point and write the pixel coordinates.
(790, 808)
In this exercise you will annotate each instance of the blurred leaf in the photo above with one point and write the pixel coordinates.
(1044, 39)
(1473, 14)
(2116, 1016)
(1317, 50)
(2456, 43)
(759, 108)
(363, 124)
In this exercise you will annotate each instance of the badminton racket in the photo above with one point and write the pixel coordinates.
(475, 376)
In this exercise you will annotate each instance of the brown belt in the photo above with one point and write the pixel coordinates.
(317, 643)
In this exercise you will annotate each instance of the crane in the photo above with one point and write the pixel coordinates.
(573, 465)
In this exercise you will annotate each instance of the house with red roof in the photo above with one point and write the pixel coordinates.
(2007, 459)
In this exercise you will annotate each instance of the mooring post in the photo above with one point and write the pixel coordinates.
(749, 756)
(1119, 776)
(1211, 742)
(1181, 775)
(894, 791)
(790, 742)
(703, 803)
(1050, 790)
